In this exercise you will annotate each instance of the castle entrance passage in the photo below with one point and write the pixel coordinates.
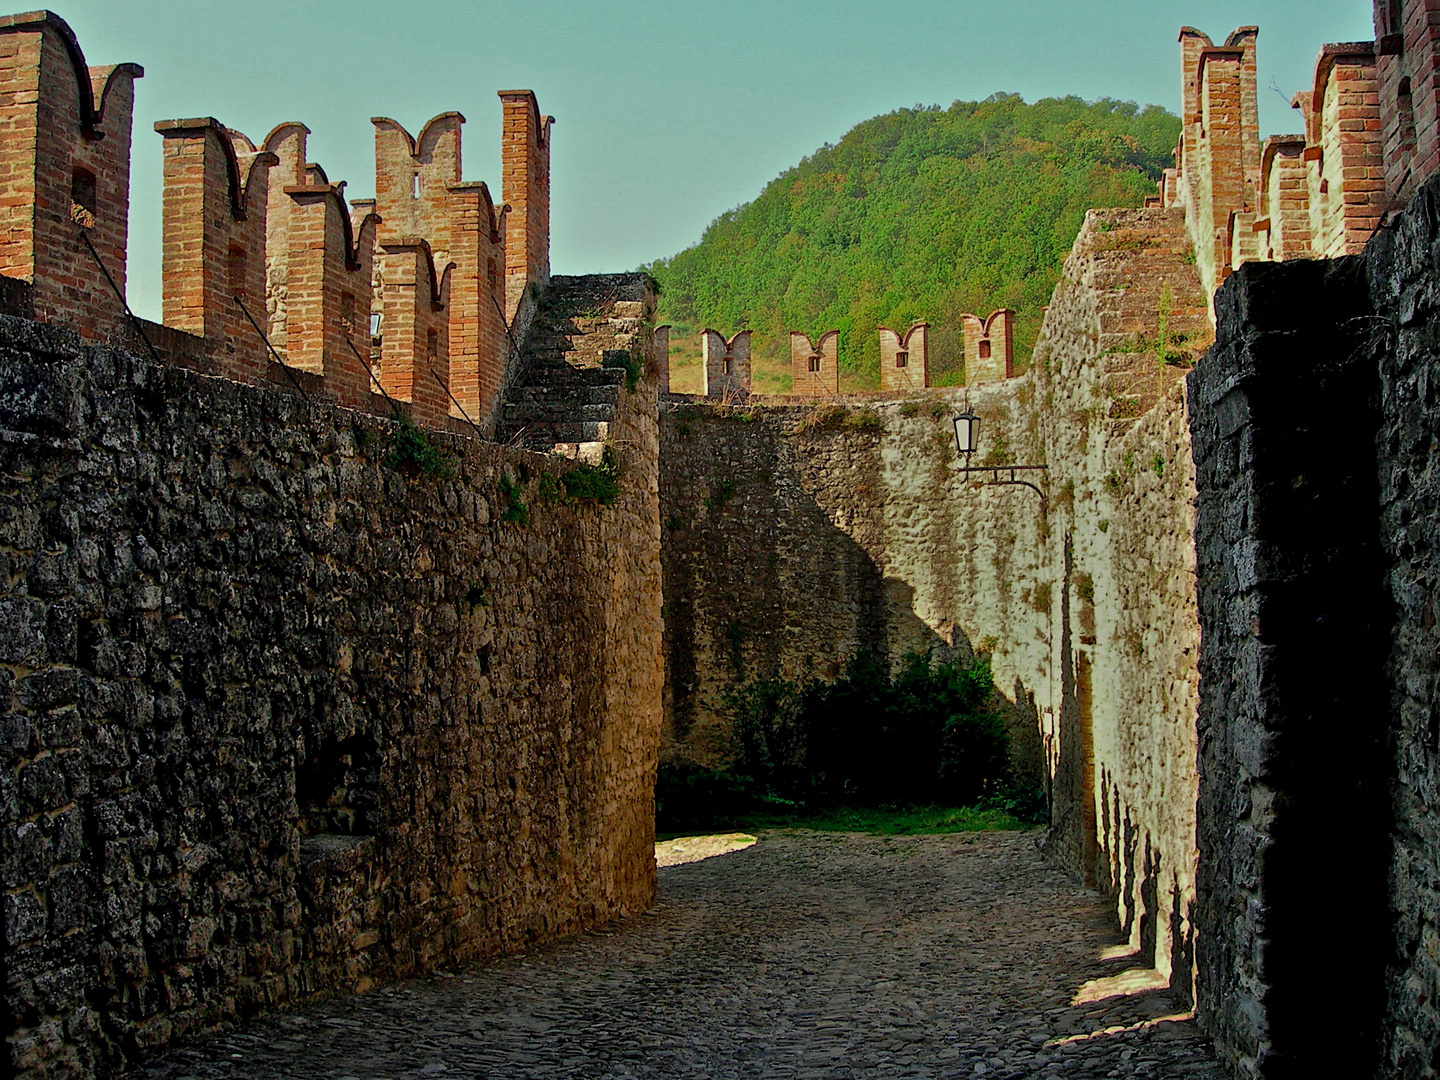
(808, 955)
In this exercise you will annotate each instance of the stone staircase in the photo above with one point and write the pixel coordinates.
(563, 399)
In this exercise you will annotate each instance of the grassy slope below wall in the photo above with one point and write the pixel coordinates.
(918, 214)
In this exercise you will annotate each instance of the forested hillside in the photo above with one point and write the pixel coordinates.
(918, 214)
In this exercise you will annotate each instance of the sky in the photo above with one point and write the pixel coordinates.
(667, 114)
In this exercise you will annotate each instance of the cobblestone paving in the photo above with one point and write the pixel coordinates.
(809, 955)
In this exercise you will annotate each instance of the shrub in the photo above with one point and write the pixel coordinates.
(927, 733)
(515, 511)
(626, 360)
(413, 453)
(594, 483)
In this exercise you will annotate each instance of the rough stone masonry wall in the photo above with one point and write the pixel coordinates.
(1316, 421)
(1402, 267)
(1292, 717)
(280, 720)
(795, 535)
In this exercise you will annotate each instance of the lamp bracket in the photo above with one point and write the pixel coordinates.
(996, 479)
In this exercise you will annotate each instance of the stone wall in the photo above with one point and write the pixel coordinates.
(280, 719)
(1292, 717)
(1402, 267)
(796, 534)
(1315, 426)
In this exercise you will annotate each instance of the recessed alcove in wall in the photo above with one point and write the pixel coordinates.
(337, 792)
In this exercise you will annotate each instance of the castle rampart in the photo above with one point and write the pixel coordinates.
(262, 259)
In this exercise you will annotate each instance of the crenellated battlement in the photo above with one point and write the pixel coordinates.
(418, 291)
(905, 358)
(815, 365)
(65, 180)
(725, 364)
(1318, 194)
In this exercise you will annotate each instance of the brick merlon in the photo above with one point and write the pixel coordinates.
(542, 123)
(418, 142)
(1329, 54)
(197, 128)
(91, 113)
(1274, 144)
(279, 131)
(439, 279)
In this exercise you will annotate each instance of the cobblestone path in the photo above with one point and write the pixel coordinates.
(807, 955)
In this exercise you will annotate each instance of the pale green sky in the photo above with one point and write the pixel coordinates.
(668, 113)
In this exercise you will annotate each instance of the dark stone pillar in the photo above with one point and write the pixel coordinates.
(1291, 911)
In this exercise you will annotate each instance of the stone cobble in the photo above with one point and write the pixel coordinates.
(808, 955)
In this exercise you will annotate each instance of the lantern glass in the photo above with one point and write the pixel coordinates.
(967, 427)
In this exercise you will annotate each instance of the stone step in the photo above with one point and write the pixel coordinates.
(559, 412)
(568, 394)
(558, 433)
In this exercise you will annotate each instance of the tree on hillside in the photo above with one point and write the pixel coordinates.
(923, 213)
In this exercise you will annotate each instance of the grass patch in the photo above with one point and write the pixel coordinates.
(877, 821)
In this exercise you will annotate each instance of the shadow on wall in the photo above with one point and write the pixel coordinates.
(761, 583)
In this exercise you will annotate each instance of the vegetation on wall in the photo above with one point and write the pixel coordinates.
(927, 734)
(923, 213)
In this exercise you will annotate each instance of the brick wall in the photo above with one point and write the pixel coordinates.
(905, 359)
(1407, 37)
(724, 364)
(65, 129)
(280, 720)
(814, 365)
(989, 347)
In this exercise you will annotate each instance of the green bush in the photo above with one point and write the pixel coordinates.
(627, 361)
(413, 453)
(597, 483)
(927, 734)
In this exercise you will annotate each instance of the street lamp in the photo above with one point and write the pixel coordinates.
(967, 432)
(967, 441)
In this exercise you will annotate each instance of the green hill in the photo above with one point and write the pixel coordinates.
(919, 214)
